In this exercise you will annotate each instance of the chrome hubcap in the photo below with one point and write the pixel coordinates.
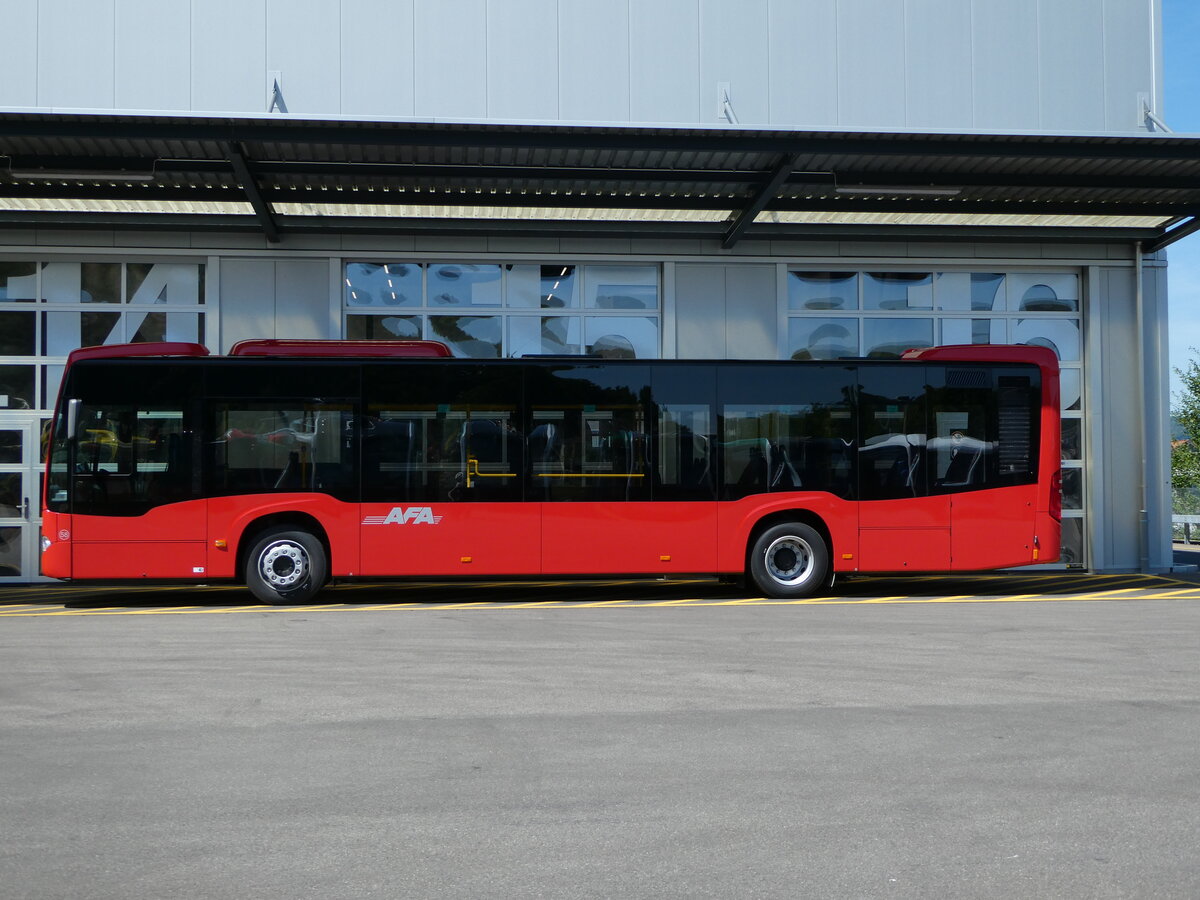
(789, 560)
(283, 565)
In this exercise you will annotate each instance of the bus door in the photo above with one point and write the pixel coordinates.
(135, 488)
(903, 526)
(982, 452)
(625, 484)
(443, 455)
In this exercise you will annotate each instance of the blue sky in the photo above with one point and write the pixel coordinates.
(1181, 110)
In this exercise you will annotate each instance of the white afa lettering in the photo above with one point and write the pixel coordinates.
(399, 515)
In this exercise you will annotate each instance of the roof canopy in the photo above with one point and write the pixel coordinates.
(288, 175)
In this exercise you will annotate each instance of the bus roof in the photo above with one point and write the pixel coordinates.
(299, 347)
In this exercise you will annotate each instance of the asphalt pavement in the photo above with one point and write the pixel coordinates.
(904, 738)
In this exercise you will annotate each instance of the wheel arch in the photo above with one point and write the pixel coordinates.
(281, 521)
(779, 517)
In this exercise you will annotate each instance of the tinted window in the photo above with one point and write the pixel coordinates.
(685, 448)
(589, 432)
(787, 428)
(438, 432)
(130, 455)
(281, 446)
(892, 459)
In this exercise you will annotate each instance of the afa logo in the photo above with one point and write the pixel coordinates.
(412, 515)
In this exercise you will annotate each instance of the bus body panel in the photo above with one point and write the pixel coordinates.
(164, 542)
(632, 537)
(909, 535)
(438, 539)
(993, 529)
(56, 534)
(229, 519)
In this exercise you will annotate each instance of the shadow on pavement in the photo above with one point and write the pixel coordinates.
(862, 588)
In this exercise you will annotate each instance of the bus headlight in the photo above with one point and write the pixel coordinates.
(45, 543)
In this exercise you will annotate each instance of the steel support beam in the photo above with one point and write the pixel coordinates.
(766, 193)
(262, 209)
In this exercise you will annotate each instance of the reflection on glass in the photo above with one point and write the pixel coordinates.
(973, 331)
(16, 387)
(1072, 488)
(980, 291)
(158, 326)
(18, 281)
(164, 283)
(822, 290)
(10, 551)
(898, 290)
(622, 337)
(387, 284)
(813, 338)
(62, 332)
(10, 494)
(621, 287)
(1072, 542)
(10, 446)
(17, 334)
(383, 328)
(60, 282)
(558, 287)
(1043, 292)
(1060, 335)
(532, 335)
(1069, 388)
(1072, 434)
(51, 379)
(477, 337)
(100, 282)
(460, 284)
(888, 338)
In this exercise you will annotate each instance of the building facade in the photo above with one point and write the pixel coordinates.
(843, 282)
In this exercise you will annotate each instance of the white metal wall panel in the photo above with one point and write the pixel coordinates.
(734, 50)
(593, 60)
(937, 53)
(699, 311)
(1115, 367)
(377, 53)
(522, 59)
(1070, 50)
(871, 63)
(75, 54)
(247, 300)
(153, 54)
(451, 58)
(19, 54)
(664, 62)
(229, 48)
(303, 45)
(301, 298)
(1128, 65)
(751, 312)
(1006, 81)
(803, 62)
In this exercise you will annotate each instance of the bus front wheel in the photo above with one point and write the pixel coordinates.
(286, 567)
(789, 560)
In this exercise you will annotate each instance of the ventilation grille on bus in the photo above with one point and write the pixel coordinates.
(968, 378)
(1016, 424)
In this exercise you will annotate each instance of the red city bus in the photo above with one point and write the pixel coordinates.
(285, 465)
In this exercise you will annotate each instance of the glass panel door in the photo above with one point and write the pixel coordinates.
(20, 501)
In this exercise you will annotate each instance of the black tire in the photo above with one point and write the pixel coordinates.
(789, 560)
(286, 567)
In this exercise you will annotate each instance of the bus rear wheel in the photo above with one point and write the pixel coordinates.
(789, 560)
(286, 567)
